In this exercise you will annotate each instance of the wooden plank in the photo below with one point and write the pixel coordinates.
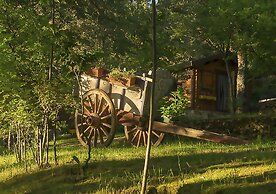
(195, 133)
(193, 85)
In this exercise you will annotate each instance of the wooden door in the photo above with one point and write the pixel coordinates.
(222, 92)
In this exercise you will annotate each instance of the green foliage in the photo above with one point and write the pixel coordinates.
(174, 105)
(31, 74)
(118, 73)
(16, 113)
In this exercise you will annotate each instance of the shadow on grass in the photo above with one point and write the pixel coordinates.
(2, 150)
(118, 175)
(241, 185)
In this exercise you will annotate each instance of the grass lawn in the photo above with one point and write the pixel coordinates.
(179, 165)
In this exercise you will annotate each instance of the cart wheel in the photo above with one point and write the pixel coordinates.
(138, 136)
(97, 124)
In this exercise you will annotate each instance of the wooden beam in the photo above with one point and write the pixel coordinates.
(195, 133)
(193, 87)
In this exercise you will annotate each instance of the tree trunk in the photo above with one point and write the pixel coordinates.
(9, 140)
(40, 148)
(230, 83)
(241, 81)
(55, 143)
(47, 142)
(25, 155)
(44, 137)
(19, 151)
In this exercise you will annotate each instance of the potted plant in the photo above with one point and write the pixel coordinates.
(122, 77)
(96, 71)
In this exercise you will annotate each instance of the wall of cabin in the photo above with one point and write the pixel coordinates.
(203, 87)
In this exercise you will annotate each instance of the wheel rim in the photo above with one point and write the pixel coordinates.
(138, 136)
(97, 124)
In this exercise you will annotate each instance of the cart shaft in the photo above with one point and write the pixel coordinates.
(195, 133)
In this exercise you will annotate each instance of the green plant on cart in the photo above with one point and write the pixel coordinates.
(175, 105)
(120, 74)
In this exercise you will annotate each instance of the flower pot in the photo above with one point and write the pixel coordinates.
(96, 72)
(166, 119)
(123, 82)
(116, 81)
(130, 81)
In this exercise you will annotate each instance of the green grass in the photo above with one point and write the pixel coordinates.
(180, 165)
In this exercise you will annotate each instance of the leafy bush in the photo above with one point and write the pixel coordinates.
(174, 105)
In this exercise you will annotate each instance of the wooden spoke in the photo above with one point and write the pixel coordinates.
(104, 131)
(86, 104)
(99, 119)
(100, 136)
(107, 125)
(138, 136)
(139, 139)
(96, 103)
(106, 117)
(103, 110)
(90, 134)
(145, 139)
(153, 132)
(85, 111)
(87, 129)
(100, 105)
(79, 114)
(133, 138)
(90, 103)
(83, 124)
(132, 130)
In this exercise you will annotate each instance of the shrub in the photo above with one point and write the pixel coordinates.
(174, 105)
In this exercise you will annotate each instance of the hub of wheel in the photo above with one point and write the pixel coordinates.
(93, 120)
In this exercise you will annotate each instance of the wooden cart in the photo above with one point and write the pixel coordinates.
(106, 105)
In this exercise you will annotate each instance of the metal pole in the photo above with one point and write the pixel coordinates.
(154, 67)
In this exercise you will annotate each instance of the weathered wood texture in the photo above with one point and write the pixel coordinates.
(195, 133)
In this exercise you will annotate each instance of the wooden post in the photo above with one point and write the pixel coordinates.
(147, 158)
(193, 85)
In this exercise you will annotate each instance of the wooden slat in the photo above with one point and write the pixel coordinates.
(195, 133)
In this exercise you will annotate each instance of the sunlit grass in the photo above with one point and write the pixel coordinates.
(180, 165)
